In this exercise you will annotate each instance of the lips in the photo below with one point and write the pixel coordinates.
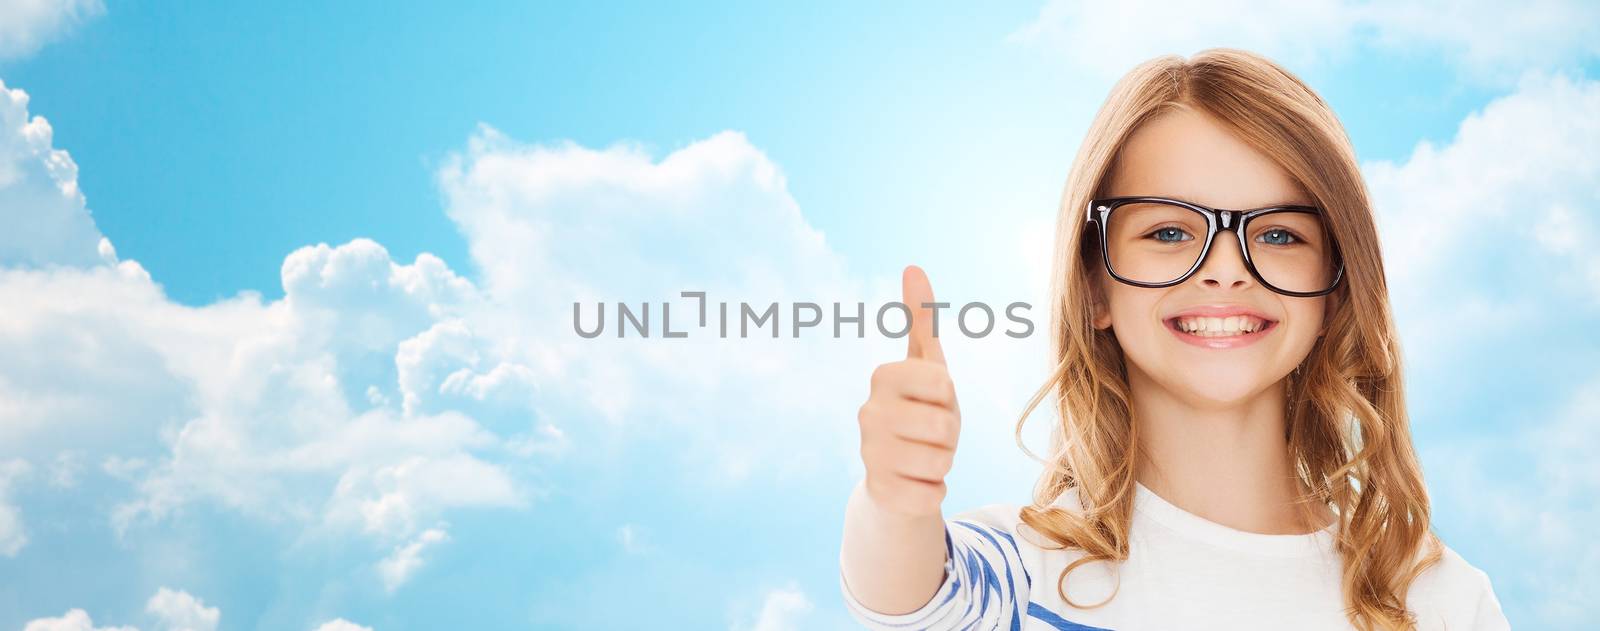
(1219, 311)
(1220, 326)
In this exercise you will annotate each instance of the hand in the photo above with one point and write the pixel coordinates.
(911, 422)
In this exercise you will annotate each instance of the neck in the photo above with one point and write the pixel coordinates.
(1226, 463)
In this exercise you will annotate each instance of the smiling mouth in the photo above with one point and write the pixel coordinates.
(1218, 328)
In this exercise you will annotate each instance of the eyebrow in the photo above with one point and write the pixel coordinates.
(1190, 200)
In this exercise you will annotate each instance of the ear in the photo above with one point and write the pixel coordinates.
(1102, 315)
(1100, 307)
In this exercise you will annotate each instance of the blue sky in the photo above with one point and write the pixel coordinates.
(397, 429)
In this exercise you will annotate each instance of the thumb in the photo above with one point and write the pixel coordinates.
(915, 291)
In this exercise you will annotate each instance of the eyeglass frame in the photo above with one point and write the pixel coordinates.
(1106, 205)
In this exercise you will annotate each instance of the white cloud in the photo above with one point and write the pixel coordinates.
(1564, 231)
(25, 25)
(178, 610)
(74, 620)
(783, 609)
(340, 624)
(398, 567)
(257, 406)
(276, 422)
(548, 226)
(174, 610)
(447, 367)
(391, 499)
(1484, 231)
(49, 222)
(1111, 37)
(12, 534)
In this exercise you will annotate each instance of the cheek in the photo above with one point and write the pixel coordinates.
(1132, 316)
(1310, 313)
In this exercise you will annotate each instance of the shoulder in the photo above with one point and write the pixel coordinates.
(997, 515)
(1005, 519)
(1454, 594)
(998, 525)
(994, 535)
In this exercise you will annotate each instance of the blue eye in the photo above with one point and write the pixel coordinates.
(1278, 236)
(1170, 231)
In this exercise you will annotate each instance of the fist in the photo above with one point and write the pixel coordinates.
(910, 422)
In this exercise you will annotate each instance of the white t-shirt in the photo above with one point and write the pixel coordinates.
(1183, 572)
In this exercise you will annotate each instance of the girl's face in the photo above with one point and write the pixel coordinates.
(1188, 155)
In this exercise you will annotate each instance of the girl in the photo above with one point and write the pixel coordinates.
(1232, 448)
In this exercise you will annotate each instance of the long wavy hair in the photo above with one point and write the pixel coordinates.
(1346, 423)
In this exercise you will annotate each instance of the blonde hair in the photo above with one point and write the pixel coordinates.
(1346, 420)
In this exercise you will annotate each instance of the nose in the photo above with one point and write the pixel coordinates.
(1224, 264)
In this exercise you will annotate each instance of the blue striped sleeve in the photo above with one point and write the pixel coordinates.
(985, 586)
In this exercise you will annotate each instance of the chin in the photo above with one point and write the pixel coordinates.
(1221, 382)
(1227, 398)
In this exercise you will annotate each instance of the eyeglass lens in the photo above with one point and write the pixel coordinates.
(1153, 242)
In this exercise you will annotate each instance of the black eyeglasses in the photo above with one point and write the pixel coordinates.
(1289, 249)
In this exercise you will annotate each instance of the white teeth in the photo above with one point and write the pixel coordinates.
(1213, 327)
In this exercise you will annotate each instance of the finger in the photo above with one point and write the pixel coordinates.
(921, 380)
(920, 461)
(915, 292)
(887, 455)
(924, 423)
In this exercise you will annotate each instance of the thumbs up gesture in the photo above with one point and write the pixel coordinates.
(911, 422)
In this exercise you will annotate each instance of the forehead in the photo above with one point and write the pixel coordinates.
(1189, 155)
